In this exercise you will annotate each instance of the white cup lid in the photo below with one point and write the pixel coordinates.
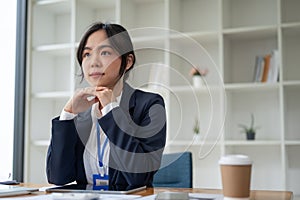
(235, 159)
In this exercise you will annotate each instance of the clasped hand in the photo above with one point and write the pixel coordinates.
(81, 101)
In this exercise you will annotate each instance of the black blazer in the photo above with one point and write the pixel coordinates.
(137, 134)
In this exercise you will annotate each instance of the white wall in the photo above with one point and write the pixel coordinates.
(7, 84)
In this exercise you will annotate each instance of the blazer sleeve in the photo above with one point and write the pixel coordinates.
(62, 155)
(137, 138)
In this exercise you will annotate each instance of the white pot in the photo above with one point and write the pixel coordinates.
(197, 137)
(198, 81)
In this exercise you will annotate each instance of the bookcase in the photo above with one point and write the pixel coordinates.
(169, 37)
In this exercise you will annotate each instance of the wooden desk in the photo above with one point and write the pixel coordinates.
(254, 195)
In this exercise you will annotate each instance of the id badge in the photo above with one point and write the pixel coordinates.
(100, 182)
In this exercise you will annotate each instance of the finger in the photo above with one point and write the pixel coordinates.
(95, 100)
(100, 88)
(87, 92)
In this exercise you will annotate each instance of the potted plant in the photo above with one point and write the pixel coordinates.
(197, 74)
(249, 130)
(196, 129)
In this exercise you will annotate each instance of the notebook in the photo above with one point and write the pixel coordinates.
(9, 190)
(89, 189)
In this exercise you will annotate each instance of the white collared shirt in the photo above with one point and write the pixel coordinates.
(90, 155)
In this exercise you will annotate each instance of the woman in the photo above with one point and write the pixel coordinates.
(108, 134)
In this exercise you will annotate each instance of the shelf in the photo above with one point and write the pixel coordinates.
(193, 143)
(204, 36)
(41, 143)
(53, 47)
(250, 32)
(241, 87)
(252, 143)
(291, 30)
(291, 25)
(291, 83)
(98, 3)
(149, 39)
(189, 89)
(55, 6)
(48, 95)
(292, 142)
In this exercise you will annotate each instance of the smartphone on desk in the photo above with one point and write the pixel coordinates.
(172, 196)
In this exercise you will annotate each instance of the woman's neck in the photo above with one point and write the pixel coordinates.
(118, 88)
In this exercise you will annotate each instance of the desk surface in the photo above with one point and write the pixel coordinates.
(254, 195)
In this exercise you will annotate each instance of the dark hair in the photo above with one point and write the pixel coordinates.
(121, 42)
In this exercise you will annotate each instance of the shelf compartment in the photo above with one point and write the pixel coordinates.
(90, 11)
(292, 112)
(51, 22)
(266, 165)
(43, 111)
(290, 53)
(193, 15)
(149, 37)
(150, 68)
(50, 72)
(264, 104)
(239, 13)
(240, 52)
(293, 169)
(202, 106)
(290, 11)
(187, 52)
(36, 153)
(143, 13)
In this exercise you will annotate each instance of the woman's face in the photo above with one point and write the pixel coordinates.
(101, 63)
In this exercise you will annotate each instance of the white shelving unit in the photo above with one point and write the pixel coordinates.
(232, 33)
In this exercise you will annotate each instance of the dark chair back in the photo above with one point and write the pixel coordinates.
(176, 171)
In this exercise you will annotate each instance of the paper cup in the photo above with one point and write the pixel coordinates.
(236, 176)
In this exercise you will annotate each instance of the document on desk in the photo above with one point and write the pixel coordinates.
(192, 196)
(77, 196)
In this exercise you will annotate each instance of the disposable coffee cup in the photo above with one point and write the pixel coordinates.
(236, 176)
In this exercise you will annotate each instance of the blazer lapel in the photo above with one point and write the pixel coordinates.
(84, 123)
(128, 98)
